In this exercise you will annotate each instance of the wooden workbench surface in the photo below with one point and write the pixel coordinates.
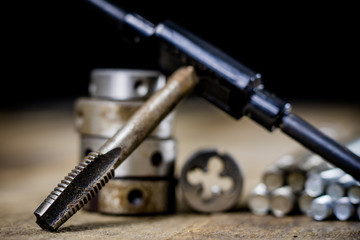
(39, 147)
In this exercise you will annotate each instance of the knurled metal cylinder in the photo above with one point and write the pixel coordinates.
(144, 184)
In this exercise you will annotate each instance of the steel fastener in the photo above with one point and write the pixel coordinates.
(304, 203)
(259, 200)
(273, 177)
(354, 193)
(282, 201)
(322, 207)
(343, 209)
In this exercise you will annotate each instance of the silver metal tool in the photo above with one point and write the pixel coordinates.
(322, 208)
(282, 201)
(97, 168)
(259, 200)
(343, 209)
(211, 182)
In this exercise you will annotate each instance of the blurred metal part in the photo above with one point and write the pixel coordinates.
(347, 181)
(259, 200)
(332, 175)
(220, 200)
(339, 188)
(316, 183)
(314, 164)
(125, 84)
(287, 162)
(335, 191)
(343, 209)
(304, 203)
(273, 177)
(99, 117)
(322, 208)
(354, 146)
(153, 158)
(354, 193)
(358, 212)
(282, 201)
(296, 180)
(135, 196)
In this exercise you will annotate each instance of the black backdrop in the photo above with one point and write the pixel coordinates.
(304, 52)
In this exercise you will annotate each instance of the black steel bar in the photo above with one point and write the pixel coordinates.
(317, 142)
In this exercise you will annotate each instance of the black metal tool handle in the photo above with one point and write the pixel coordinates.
(228, 84)
(316, 141)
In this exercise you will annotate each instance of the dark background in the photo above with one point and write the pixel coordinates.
(304, 52)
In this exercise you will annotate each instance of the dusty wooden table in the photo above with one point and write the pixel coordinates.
(39, 147)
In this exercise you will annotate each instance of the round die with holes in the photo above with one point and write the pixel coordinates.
(211, 182)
